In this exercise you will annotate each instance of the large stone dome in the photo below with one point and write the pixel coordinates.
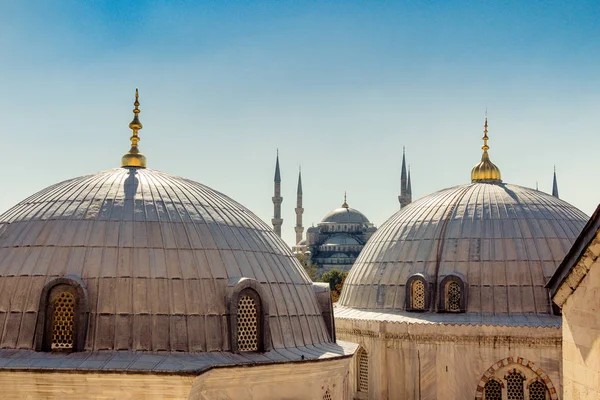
(345, 215)
(503, 241)
(158, 256)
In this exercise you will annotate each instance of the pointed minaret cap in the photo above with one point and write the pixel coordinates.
(277, 173)
(485, 171)
(345, 205)
(299, 191)
(134, 158)
(555, 185)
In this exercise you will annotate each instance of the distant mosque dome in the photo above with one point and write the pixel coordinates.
(484, 247)
(345, 215)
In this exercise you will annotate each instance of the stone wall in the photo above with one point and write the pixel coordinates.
(435, 361)
(309, 380)
(581, 338)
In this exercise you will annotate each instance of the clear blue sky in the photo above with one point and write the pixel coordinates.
(338, 87)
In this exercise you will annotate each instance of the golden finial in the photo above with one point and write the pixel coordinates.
(345, 205)
(134, 158)
(485, 171)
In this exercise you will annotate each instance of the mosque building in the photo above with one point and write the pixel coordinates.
(133, 283)
(447, 300)
(338, 239)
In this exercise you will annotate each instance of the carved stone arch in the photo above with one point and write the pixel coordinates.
(515, 371)
(43, 329)
(445, 284)
(417, 279)
(490, 374)
(238, 288)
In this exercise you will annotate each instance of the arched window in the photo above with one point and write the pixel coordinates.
(493, 390)
(62, 317)
(452, 294)
(363, 371)
(537, 391)
(248, 321)
(63, 321)
(514, 386)
(327, 395)
(248, 315)
(416, 293)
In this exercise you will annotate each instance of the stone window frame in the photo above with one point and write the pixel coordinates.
(360, 354)
(533, 380)
(408, 297)
(502, 387)
(43, 334)
(443, 289)
(236, 289)
(516, 371)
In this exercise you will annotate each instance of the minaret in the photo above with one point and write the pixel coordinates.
(277, 200)
(555, 185)
(404, 198)
(299, 210)
(408, 187)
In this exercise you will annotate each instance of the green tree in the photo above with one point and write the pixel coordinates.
(336, 279)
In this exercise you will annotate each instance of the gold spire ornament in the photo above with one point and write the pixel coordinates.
(134, 158)
(485, 171)
(345, 205)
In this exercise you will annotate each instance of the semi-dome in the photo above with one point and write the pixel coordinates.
(485, 247)
(341, 239)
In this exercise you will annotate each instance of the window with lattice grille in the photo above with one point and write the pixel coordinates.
(247, 324)
(514, 386)
(63, 320)
(493, 390)
(537, 391)
(418, 295)
(453, 296)
(363, 371)
(327, 395)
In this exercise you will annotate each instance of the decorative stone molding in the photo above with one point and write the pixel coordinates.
(487, 341)
(490, 374)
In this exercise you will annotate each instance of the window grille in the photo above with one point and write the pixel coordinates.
(514, 386)
(453, 297)
(537, 391)
(63, 319)
(493, 390)
(247, 324)
(327, 395)
(418, 295)
(363, 371)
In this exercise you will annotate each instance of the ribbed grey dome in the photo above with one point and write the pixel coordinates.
(345, 215)
(155, 252)
(504, 240)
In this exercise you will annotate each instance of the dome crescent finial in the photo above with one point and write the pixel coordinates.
(345, 205)
(134, 158)
(486, 170)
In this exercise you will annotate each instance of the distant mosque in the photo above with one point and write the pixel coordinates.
(338, 239)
